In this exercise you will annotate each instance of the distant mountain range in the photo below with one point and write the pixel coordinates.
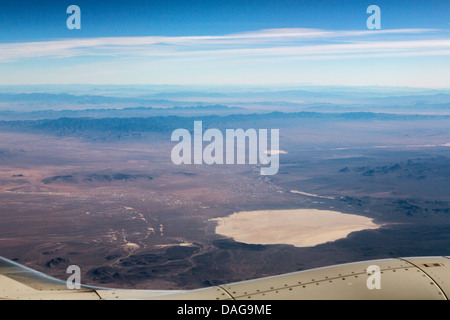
(164, 124)
(121, 112)
(37, 105)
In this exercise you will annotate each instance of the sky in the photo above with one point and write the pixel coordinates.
(226, 42)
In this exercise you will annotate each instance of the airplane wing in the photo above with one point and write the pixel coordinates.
(415, 278)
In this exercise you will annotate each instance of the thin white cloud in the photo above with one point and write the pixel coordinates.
(269, 42)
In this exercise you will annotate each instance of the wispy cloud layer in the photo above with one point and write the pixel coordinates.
(401, 57)
(293, 43)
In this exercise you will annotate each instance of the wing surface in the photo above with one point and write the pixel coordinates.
(415, 278)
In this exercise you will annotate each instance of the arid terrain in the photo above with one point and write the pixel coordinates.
(116, 205)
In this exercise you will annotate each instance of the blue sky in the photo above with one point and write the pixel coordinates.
(226, 42)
